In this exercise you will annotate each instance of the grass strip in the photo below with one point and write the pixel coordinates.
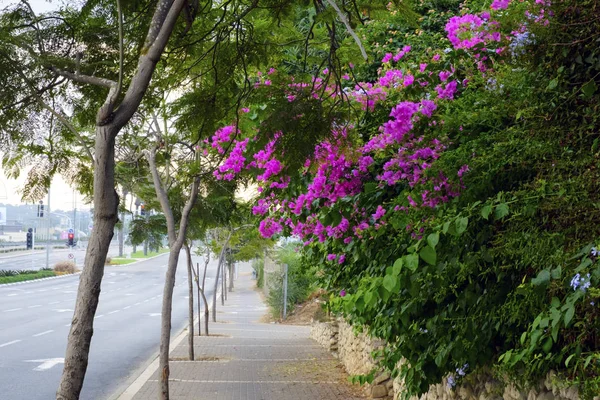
(26, 277)
(122, 261)
(140, 254)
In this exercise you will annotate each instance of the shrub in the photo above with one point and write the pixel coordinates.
(65, 267)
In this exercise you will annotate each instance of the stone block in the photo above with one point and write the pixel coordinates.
(378, 391)
(384, 376)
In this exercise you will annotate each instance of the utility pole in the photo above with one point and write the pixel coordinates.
(48, 222)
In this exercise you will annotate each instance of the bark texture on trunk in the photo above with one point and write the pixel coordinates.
(231, 270)
(218, 279)
(167, 305)
(190, 266)
(106, 203)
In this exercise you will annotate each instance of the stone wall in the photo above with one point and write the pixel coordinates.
(354, 352)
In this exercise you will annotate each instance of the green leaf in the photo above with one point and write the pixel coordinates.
(555, 302)
(445, 227)
(589, 89)
(556, 272)
(369, 298)
(568, 360)
(501, 211)
(433, 239)
(569, 314)
(429, 255)
(547, 346)
(553, 84)
(485, 211)
(370, 187)
(412, 262)
(587, 361)
(542, 278)
(397, 268)
(389, 282)
(461, 225)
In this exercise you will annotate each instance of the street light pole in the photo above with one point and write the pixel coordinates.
(48, 222)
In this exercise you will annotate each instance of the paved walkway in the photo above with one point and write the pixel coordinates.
(249, 360)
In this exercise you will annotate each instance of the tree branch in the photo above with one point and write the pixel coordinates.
(349, 28)
(67, 125)
(161, 194)
(91, 80)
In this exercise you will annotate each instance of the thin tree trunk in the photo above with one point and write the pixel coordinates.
(190, 266)
(231, 275)
(197, 280)
(167, 305)
(221, 258)
(224, 285)
(106, 203)
(203, 296)
(205, 311)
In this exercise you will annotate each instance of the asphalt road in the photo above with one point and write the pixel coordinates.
(34, 260)
(35, 320)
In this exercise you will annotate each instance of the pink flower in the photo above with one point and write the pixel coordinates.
(436, 57)
(342, 293)
(341, 259)
(500, 4)
(387, 58)
(331, 257)
(380, 212)
(422, 67)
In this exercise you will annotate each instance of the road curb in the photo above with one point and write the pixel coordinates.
(137, 384)
(137, 260)
(38, 280)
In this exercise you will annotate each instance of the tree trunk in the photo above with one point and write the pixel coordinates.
(106, 203)
(205, 311)
(190, 266)
(167, 305)
(231, 271)
(197, 279)
(223, 284)
(221, 258)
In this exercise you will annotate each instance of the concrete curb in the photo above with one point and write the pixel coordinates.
(137, 260)
(137, 384)
(38, 280)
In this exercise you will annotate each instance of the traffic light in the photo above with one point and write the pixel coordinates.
(71, 239)
(142, 209)
(29, 239)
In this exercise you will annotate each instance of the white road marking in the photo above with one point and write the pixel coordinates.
(129, 294)
(153, 314)
(112, 312)
(37, 305)
(46, 363)
(54, 302)
(13, 309)
(42, 333)
(126, 308)
(68, 291)
(9, 343)
(12, 294)
(137, 304)
(99, 316)
(62, 310)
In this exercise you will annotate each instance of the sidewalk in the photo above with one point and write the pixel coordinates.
(246, 359)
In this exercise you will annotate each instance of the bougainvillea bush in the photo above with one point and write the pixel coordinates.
(448, 190)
